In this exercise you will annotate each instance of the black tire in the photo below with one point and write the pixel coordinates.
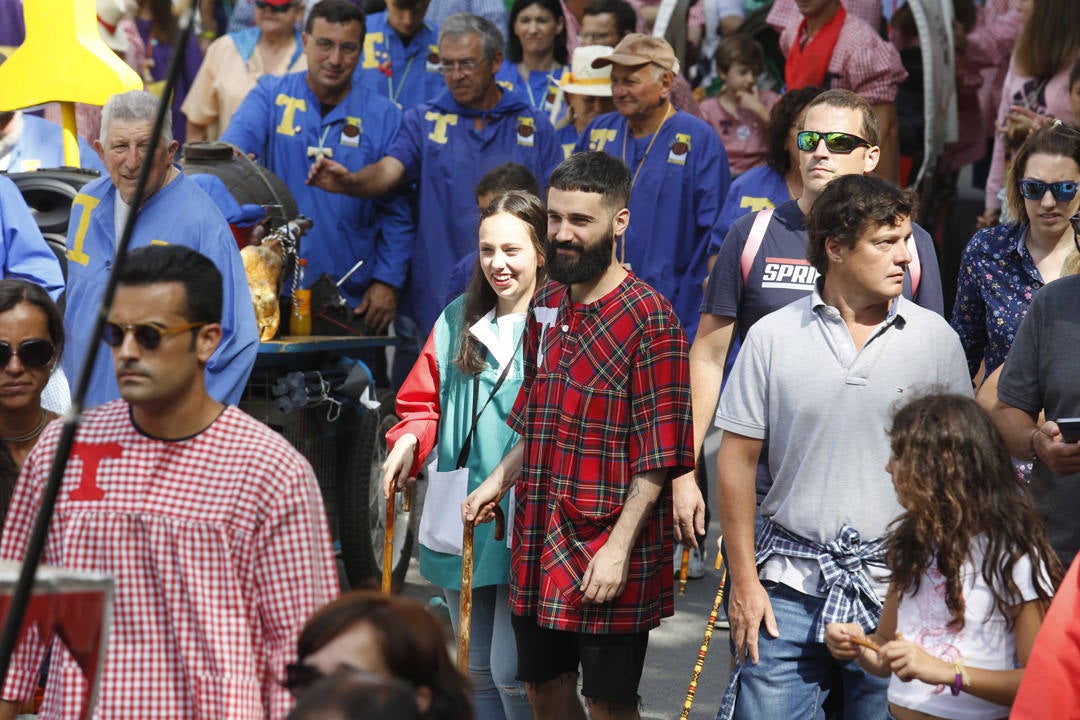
(362, 510)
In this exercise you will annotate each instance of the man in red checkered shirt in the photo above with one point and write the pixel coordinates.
(604, 415)
(211, 523)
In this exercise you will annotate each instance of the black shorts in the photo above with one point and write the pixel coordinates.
(611, 665)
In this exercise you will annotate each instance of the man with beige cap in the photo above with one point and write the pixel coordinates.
(678, 166)
(680, 178)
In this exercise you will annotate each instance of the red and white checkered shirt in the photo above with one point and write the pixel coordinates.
(785, 12)
(606, 396)
(861, 61)
(220, 550)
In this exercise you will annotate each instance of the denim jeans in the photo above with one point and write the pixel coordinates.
(497, 693)
(795, 672)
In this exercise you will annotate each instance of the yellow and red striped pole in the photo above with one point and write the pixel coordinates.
(709, 625)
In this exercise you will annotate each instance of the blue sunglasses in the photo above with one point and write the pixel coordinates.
(1063, 191)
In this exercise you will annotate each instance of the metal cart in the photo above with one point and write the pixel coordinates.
(345, 444)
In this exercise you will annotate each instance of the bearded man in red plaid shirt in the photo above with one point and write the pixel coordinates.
(211, 523)
(604, 415)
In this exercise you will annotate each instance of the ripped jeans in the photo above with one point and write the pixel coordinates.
(497, 693)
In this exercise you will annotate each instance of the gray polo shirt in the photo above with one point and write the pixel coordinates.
(826, 407)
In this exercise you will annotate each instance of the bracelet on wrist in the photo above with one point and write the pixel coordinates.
(961, 680)
(1031, 440)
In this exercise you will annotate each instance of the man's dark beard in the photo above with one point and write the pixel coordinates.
(590, 263)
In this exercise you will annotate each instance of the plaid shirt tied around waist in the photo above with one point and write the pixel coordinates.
(850, 595)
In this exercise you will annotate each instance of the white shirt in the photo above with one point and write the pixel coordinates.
(984, 642)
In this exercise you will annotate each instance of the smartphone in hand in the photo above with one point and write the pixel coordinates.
(1070, 429)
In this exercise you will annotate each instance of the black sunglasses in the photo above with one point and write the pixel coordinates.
(837, 142)
(1063, 191)
(37, 353)
(263, 5)
(148, 336)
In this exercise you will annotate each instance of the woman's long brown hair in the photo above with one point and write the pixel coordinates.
(1048, 42)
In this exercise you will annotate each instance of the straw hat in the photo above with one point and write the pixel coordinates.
(109, 15)
(583, 78)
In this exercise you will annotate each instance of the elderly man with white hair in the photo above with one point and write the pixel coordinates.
(174, 210)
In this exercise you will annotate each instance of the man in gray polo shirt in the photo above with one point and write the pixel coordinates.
(820, 379)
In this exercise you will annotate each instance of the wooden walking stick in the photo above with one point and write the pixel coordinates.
(465, 609)
(388, 537)
(709, 625)
(684, 569)
(388, 544)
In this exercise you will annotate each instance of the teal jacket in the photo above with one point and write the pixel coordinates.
(435, 404)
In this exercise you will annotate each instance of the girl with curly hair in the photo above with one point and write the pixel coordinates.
(972, 570)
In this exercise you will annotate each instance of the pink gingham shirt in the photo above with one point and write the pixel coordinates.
(861, 61)
(220, 550)
(785, 12)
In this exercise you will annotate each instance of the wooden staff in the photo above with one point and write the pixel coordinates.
(709, 625)
(388, 545)
(684, 569)
(465, 609)
(388, 538)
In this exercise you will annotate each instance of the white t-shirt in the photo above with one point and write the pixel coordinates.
(984, 642)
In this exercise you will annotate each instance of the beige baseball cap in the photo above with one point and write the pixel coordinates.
(583, 78)
(637, 49)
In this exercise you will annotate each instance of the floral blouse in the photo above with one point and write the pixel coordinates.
(997, 280)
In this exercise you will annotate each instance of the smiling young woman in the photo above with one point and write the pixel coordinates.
(457, 399)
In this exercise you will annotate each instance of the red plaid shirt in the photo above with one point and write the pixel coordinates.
(861, 61)
(220, 550)
(606, 396)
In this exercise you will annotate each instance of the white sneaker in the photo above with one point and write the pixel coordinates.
(695, 568)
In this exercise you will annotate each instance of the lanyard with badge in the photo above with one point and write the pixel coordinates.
(641, 164)
(390, 81)
(441, 529)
